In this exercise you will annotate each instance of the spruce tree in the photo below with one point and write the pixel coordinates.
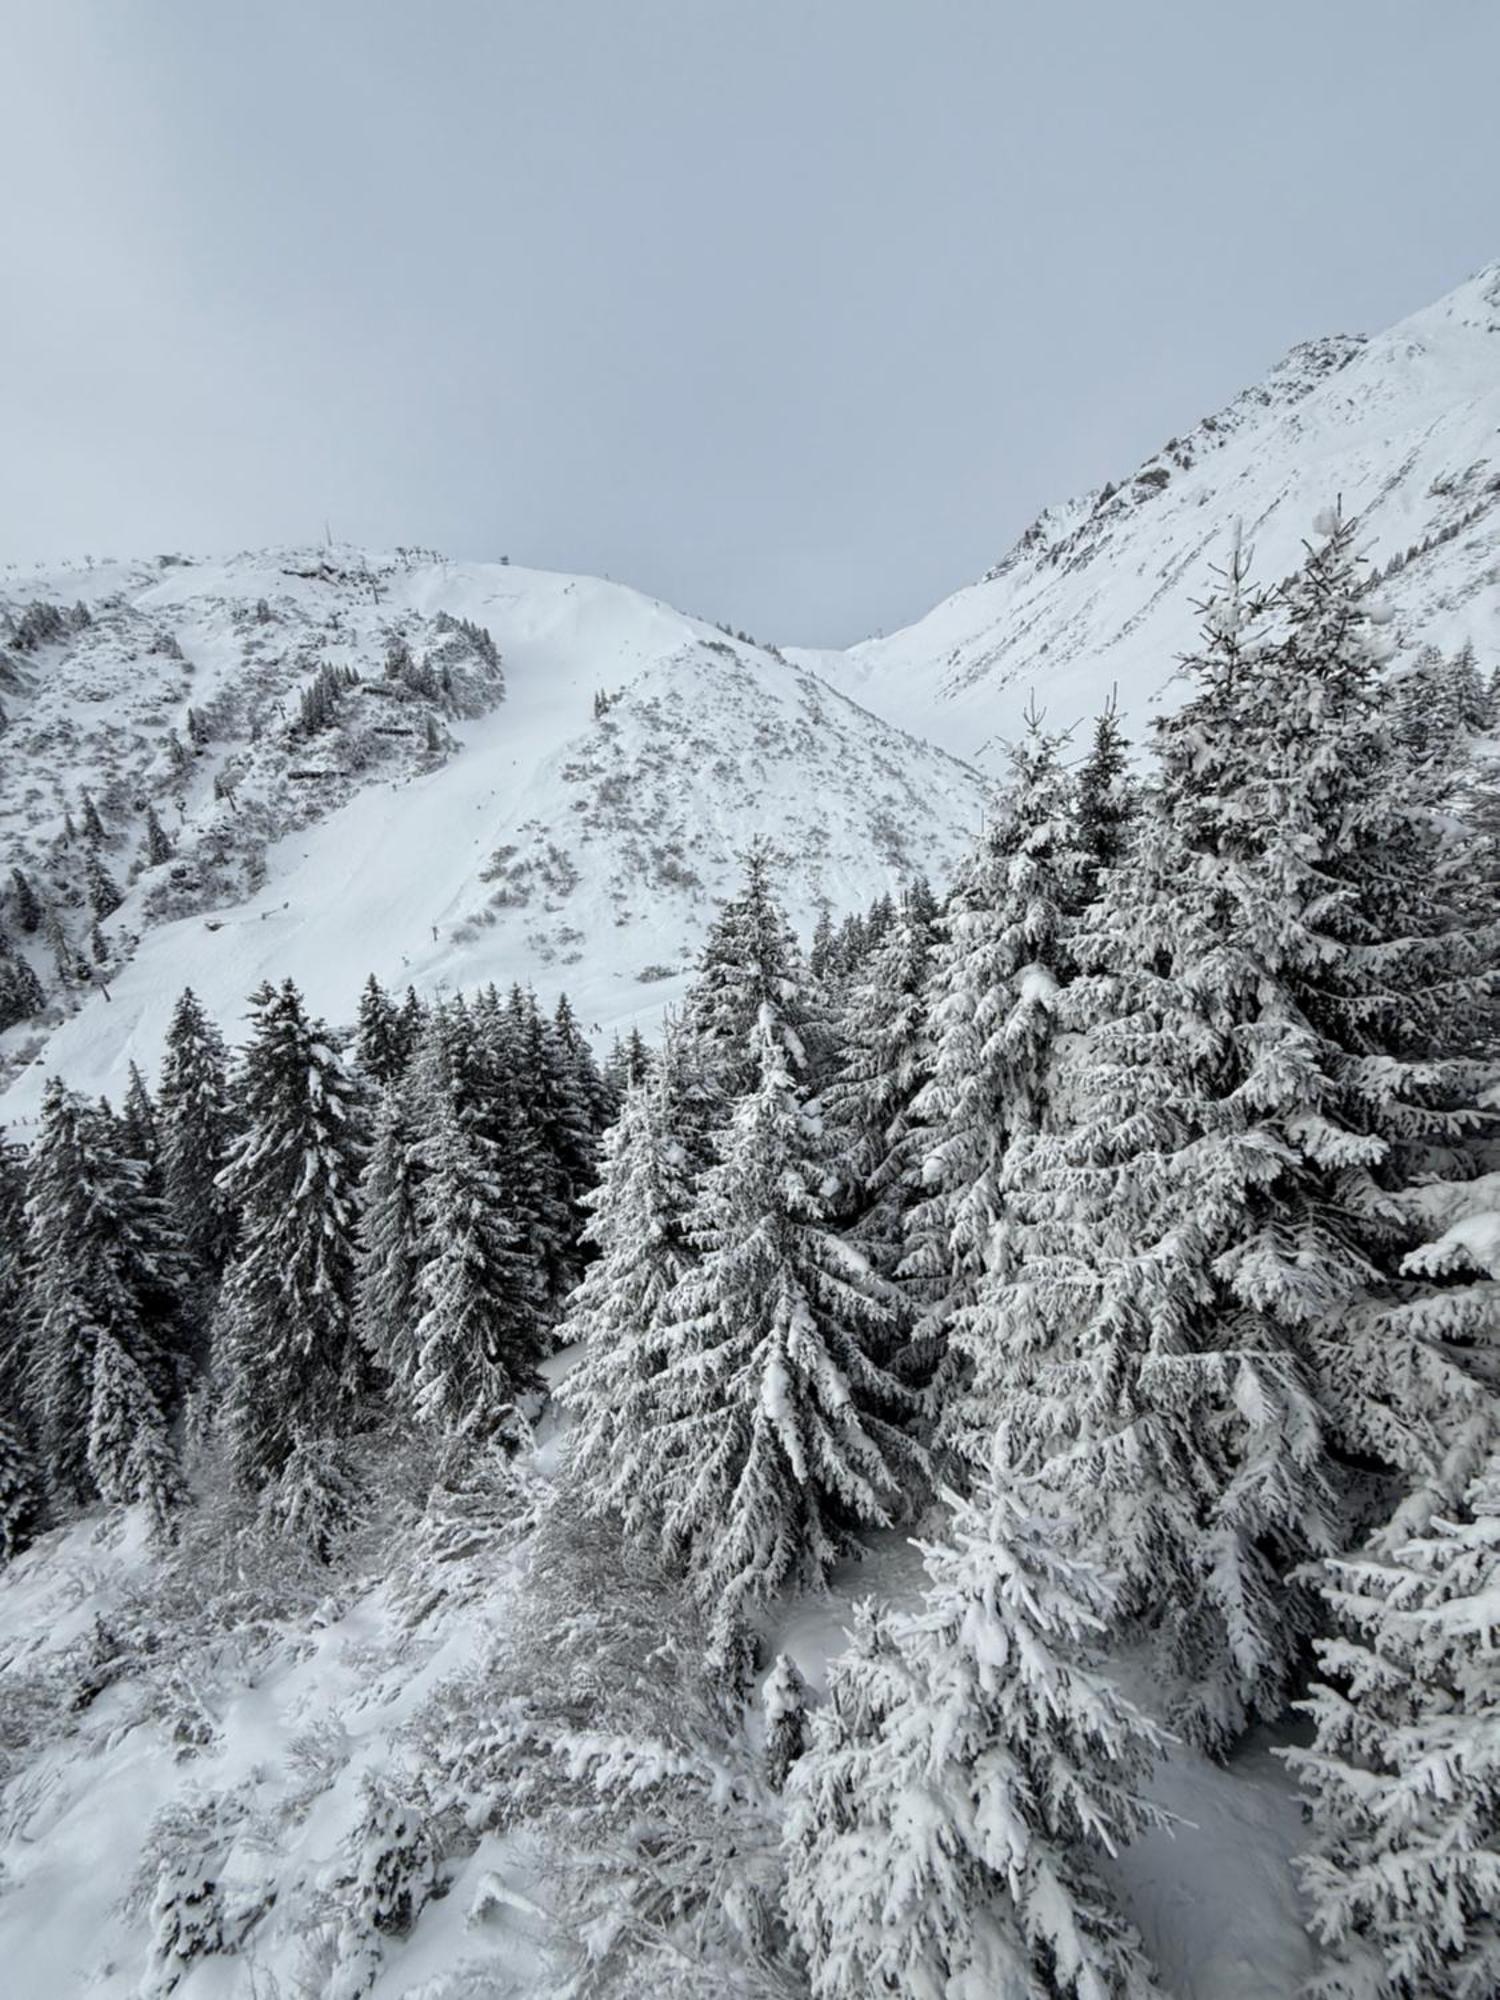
(21, 1507)
(970, 1769)
(1197, 1324)
(1003, 957)
(286, 1353)
(106, 1268)
(195, 1128)
(1403, 1774)
(1106, 797)
(771, 1433)
(884, 1065)
(130, 1454)
(391, 1248)
(750, 961)
(475, 1347)
(28, 909)
(103, 891)
(382, 1041)
(21, 995)
(158, 848)
(638, 1224)
(138, 1128)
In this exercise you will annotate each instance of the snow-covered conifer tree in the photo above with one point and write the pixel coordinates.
(970, 1768)
(771, 1431)
(105, 1267)
(390, 1235)
(640, 1215)
(20, 1487)
(130, 1455)
(885, 1062)
(1106, 797)
(286, 1354)
(1002, 957)
(195, 1128)
(382, 1043)
(475, 1347)
(750, 960)
(1403, 1774)
(1193, 1296)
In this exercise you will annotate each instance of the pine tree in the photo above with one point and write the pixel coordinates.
(969, 1769)
(106, 1269)
(93, 825)
(750, 960)
(884, 1065)
(771, 1432)
(20, 1488)
(195, 1127)
(476, 1345)
(21, 995)
(138, 1128)
(129, 1454)
(286, 1352)
(1195, 1316)
(391, 1247)
(383, 1041)
(1106, 797)
(639, 1219)
(1403, 1773)
(28, 909)
(158, 848)
(103, 891)
(1003, 956)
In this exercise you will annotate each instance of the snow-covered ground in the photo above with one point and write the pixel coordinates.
(1097, 597)
(285, 1725)
(579, 852)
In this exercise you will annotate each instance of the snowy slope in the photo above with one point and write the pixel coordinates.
(1098, 593)
(544, 843)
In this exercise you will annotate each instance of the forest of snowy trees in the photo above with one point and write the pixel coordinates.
(1120, 1220)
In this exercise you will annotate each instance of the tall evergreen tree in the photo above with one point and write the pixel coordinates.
(391, 1248)
(286, 1353)
(479, 1337)
(195, 1129)
(772, 1431)
(750, 961)
(639, 1221)
(885, 1063)
(106, 1268)
(1002, 958)
(1403, 1773)
(21, 1492)
(1106, 796)
(383, 1041)
(971, 1767)
(1195, 1316)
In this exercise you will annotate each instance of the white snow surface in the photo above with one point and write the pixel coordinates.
(1403, 429)
(616, 836)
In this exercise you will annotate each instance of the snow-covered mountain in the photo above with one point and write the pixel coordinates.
(1403, 428)
(567, 814)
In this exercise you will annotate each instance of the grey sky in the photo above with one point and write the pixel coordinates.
(793, 312)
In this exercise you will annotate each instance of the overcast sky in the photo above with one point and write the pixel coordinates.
(791, 311)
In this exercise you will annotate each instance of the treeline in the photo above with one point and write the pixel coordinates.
(1138, 1201)
(274, 1252)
